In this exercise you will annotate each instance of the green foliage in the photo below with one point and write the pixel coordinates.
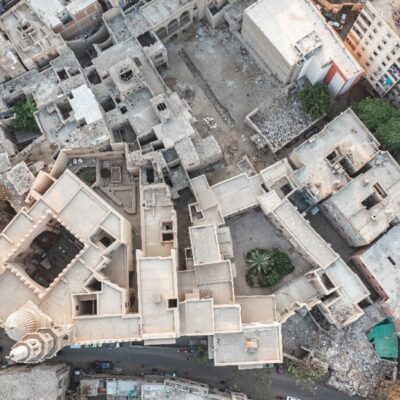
(267, 267)
(201, 356)
(374, 112)
(25, 121)
(105, 172)
(307, 373)
(389, 133)
(383, 120)
(316, 100)
(88, 175)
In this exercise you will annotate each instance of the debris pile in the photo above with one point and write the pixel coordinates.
(283, 121)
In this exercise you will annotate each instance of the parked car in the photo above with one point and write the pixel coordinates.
(103, 365)
(77, 375)
(292, 398)
(310, 132)
(279, 368)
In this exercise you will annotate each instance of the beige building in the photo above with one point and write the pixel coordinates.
(177, 389)
(70, 19)
(368, 205)
(44, 382)
(292, 39)
(70, 257)
(374, 41)
(330, 285)
(10, 65)
(327, 161)
(35, 44)
(378, 264)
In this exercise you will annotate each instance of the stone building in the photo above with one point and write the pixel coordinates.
(45, 382)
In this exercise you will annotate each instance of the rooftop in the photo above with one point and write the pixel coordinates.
(325, 161)
(308, 31)
(382, 260)
(367, 205)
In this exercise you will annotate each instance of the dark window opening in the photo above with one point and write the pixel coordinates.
(161, 107)
(371, 201)
(172, 303)
(126, 75)
(146, 39)
(62, 74)
(107, 104)
(167, 237)
(391, 260)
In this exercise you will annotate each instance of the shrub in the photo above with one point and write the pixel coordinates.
(267, 267)
(24, 119)
(307, 373)
(316, 100)
(105, 172)
(201, 356)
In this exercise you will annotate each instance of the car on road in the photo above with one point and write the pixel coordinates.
(310, 132)
(292, 398)
(103, 365)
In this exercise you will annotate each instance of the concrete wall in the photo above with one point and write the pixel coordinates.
(267, 52)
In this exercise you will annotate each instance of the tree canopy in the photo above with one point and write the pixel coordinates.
(383, 120)
(374, 112)
(307, 373)
(267, 266)
(25, 121)
(316, 100)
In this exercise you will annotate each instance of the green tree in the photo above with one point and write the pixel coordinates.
(389, 133)
(374, 112)
(24, 119)
(267, 266)
(201, 356)
(307, 373)
(258, 261)
(316, 100)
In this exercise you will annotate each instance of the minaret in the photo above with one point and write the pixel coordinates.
(27, 319)
(40, 345)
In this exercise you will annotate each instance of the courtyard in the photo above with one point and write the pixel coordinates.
(222, 84)
(253, 230)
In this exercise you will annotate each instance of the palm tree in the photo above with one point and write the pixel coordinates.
(258, 261)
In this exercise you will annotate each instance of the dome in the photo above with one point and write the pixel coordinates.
(19, 323)
(19, 353)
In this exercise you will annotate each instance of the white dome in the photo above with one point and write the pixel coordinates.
(19, 353)
(19, 323)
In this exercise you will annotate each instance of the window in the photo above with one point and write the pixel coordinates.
(375, 53)
(391, 260)
(380, 24)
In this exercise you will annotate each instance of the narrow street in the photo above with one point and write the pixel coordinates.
(141, 360)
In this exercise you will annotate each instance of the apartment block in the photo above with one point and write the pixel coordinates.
(375, 42)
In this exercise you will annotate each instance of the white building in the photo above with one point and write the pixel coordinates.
(292, 39)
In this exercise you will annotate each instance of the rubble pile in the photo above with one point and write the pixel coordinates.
(355, 367)
(283, 121)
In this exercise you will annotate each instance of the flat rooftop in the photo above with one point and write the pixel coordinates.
(232, 349)
(382, 260)
(159, 10)
(274, 17)
(157, 284)
(204, 242)
(369, 203)
(351, 140)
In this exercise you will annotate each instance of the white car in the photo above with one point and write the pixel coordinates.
(292, 398)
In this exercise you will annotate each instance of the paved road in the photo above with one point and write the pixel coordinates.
(137, 360)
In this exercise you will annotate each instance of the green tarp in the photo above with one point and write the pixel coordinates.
(385, 340)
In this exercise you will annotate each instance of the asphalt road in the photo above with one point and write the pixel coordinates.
(141, 360)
